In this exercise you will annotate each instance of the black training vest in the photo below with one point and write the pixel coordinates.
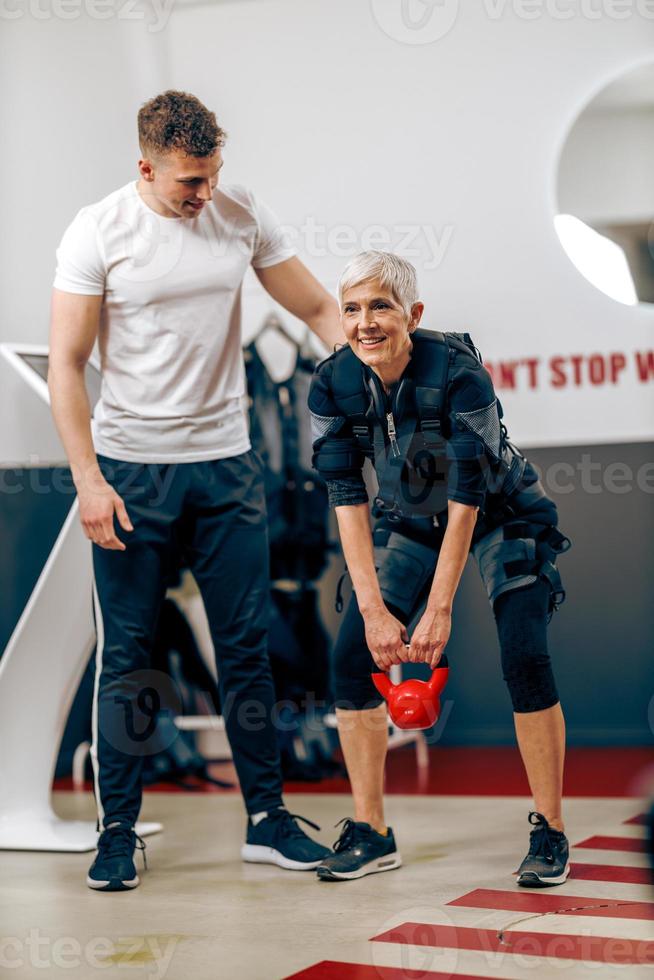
(404, 433)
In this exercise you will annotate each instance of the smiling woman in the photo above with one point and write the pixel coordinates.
(449, 482)
(380, 311)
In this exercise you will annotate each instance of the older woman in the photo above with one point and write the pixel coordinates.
(421, 406)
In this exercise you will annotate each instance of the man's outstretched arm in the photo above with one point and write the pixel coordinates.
(295, 288)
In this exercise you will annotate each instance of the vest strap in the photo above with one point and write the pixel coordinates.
(431, 388)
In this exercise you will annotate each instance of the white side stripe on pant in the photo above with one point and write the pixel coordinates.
(99, 629)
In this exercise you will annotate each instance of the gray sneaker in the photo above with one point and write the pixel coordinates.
(547, 861)
(359, 851)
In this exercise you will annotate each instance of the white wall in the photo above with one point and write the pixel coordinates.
(334, 122)
(70, 93)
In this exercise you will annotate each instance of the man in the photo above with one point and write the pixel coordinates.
(155, 271)
(422, 407)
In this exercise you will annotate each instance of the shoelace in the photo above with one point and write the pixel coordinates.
(116, 840)
(287, 824)
(540, 840)
(348, 835)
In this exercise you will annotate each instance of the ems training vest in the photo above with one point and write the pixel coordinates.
(406, 433)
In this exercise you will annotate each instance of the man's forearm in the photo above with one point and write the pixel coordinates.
(356, 539)
(454, 551)
(326, 323)
(71, 411)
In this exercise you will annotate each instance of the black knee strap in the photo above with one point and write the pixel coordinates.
(516, 555)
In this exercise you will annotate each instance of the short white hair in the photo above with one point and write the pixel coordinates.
(393, 273)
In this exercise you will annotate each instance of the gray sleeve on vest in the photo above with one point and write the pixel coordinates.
(347, 491)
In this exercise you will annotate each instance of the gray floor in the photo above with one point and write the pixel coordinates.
(200, 913)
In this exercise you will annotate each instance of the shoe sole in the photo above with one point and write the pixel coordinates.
(113, 885)
(258, 854)
(387, 863)
(532, 880)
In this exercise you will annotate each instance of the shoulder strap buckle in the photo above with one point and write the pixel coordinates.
(431, 431)
(363, 436)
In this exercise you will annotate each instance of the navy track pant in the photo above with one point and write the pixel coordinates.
(211, 514)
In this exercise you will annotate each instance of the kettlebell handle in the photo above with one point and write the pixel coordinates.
(387, 684)
(443, 662)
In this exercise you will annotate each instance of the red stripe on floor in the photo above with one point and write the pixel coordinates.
(332, 970)
(611, 872)
(468, 771)
(490, 898)
(639, 818)
(595, 949)
(600, 843)
(498, 771)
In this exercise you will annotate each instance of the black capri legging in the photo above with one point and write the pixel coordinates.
(521, 617)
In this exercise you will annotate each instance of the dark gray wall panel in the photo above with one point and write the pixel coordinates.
(33, 507)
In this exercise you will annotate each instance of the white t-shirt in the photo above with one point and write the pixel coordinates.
(173, 380)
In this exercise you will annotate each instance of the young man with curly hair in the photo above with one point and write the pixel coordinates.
(154, 271)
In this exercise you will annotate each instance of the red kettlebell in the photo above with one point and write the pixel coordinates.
(414, 704)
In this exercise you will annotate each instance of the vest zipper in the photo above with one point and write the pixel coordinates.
(384, 402)
(392, 435)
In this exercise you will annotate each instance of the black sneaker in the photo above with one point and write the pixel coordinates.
(277, 839)
(360, 851)
(547, 861)
(113, 869)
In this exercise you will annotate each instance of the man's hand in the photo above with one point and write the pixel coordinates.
(98, 501)
(386, 638)
(430, 637)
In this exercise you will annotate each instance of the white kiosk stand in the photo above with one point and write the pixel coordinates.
(43, 662)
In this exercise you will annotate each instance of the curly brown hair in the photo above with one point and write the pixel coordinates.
(178, 121)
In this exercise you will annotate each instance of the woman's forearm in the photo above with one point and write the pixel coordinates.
(461, 520)
(356, 539)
